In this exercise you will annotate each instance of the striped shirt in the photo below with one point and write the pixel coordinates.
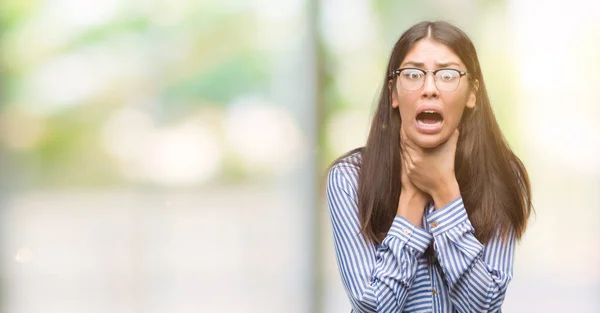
(396, 276)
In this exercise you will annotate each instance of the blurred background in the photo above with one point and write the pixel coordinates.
(170, 155)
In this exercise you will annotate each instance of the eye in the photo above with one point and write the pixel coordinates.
(447, 75)
(412, 74)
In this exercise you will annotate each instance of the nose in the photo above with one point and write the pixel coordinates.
(429, 89)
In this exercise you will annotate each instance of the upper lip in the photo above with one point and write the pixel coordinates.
(424, 108)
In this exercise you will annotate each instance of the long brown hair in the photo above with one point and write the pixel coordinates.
(493, 182)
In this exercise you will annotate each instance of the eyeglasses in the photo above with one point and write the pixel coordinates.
(412, 79)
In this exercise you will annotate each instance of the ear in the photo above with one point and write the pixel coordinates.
(394, 97)
(473, 95)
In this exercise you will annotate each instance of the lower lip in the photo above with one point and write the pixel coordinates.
(429, 128)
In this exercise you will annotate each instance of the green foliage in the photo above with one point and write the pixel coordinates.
(244, 73)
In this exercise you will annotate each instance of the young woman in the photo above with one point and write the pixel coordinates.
(426, 216)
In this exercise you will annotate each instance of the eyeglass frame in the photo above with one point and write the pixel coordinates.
(395, 73)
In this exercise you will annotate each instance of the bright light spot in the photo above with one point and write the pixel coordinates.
(183, 155)
(83, 14)
(548, 93)
(350, 28)
(24, 255)
(68, 80)
(73, 79)
(275, 10)
(263, 135)
(274, 21)
(126, 133)
(171, 12)
(347, 130)
(20, 130)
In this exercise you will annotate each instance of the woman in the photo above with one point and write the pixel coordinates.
(425, 217)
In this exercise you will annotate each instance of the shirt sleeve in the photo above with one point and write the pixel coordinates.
(376, 278)
(477, 275)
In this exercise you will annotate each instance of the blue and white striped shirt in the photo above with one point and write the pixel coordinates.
(395, 276)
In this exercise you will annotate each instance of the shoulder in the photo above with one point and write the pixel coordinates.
(345, 171)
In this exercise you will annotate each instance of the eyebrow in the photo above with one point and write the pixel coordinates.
(438, 64)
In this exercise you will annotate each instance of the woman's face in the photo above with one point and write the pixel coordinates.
(429, 116)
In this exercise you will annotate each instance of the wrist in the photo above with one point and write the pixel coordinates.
(445, 194)
(413, 198)
(411, 206)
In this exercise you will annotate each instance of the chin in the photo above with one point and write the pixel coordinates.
(429, 140)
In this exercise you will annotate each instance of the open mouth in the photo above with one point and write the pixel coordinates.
(429, 118)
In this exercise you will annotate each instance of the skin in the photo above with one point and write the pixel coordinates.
(428, 169)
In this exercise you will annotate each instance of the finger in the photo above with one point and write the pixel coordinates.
(402, 150)
(408, 159)
(409, 148)
(410, 151)
(403, 142)
(407, 142)
(402, 135)
(404, 167)
(456, 134)
(454, 137)
(404, 170)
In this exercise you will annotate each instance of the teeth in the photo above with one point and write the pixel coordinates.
(429, 111)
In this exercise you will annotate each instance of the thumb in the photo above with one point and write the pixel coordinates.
(454, 137)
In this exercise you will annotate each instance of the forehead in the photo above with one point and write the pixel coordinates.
(430, 53)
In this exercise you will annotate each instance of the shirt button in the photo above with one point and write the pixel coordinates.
(433, 291)
(406, 231)
(434, 224)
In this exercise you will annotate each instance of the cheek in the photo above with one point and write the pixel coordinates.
(454, 108)
(407, 103)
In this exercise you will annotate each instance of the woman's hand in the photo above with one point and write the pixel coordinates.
(432, 170)
(411, 204)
